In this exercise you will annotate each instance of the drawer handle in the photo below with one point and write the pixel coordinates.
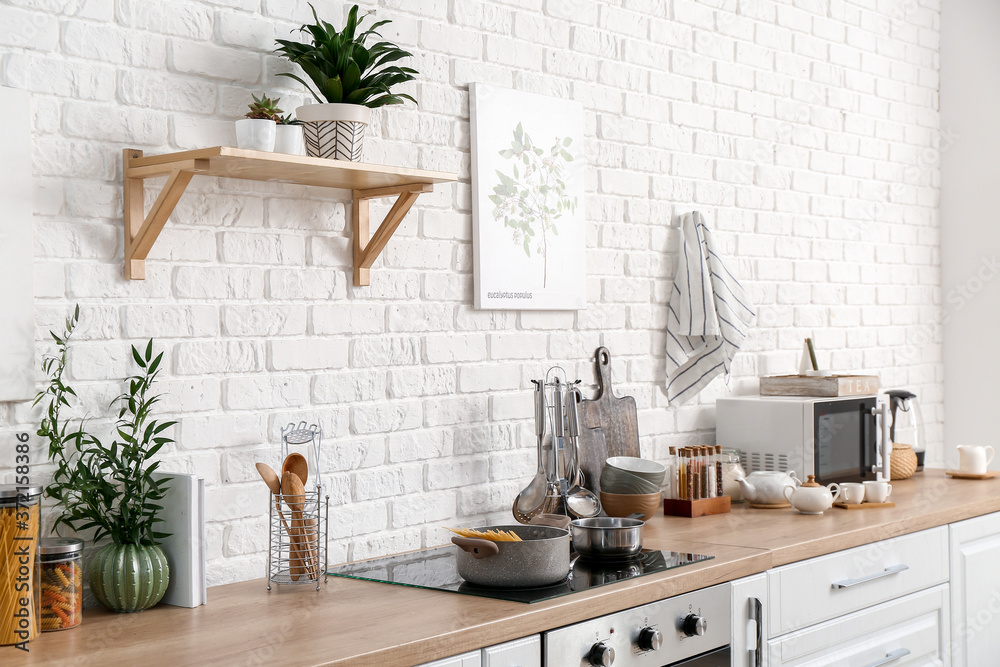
(889, 657)
(895, 569)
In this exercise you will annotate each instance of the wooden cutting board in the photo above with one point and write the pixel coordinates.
(609, 426)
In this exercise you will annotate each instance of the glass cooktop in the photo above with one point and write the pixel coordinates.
(436, 569)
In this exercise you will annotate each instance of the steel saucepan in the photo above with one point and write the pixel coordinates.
(607, 537)
(540, 559)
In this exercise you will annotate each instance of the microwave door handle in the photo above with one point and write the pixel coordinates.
(884, 449)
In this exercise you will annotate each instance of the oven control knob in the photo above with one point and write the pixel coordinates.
(650, 639)
(601, 655)
(694, 625)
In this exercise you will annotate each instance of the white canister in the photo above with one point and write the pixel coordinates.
(288, 139)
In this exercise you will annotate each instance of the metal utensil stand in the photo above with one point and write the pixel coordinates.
(297, 535)
(558, 431)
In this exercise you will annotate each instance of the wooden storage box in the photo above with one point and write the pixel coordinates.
(830, 386)
(695, 508)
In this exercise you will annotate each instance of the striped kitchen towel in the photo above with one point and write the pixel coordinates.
(708, 316)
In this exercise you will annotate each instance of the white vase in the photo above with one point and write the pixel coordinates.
(334, 131)
(288, 139)
(256, 134)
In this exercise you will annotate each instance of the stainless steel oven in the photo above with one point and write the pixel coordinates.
(693, 630)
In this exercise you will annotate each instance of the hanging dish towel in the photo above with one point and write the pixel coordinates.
(708, 316)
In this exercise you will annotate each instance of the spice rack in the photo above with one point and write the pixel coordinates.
(366, 182)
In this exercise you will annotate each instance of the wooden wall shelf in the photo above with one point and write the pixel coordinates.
(366, 181)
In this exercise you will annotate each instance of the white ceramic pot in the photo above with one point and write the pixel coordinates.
(256, 134)
(767, 487)
(289, 139)
(334, 131)
(811, 498)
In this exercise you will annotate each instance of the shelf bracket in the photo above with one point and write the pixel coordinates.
(368, 246)
(142, 230)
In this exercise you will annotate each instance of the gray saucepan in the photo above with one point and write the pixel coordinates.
(607, 537)
(540, 559)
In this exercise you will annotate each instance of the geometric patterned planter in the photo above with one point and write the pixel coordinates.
(334, 139)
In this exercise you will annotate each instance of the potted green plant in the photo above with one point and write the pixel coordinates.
(257, 130)
(348, 80)
(288, 136)
(110, 489)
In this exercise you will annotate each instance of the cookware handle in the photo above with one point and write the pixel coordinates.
(479, 548)
(551, 520)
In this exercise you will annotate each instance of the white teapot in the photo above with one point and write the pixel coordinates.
(811, 498)
(767, 487)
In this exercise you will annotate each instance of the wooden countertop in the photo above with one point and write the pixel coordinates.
(366, 623)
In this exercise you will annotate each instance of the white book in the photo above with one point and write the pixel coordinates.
(183, 517)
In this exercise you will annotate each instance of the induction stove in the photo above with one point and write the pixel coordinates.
(437, 569)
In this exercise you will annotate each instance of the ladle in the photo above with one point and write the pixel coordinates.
(533, 495)
(581, 502)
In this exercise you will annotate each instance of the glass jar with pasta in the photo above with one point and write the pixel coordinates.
(60, 564)
(19, 519)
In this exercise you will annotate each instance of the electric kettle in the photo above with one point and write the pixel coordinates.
(908, 428)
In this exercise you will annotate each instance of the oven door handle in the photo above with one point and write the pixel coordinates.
(755, 633)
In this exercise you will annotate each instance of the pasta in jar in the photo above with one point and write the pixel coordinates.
(61, 583)
(19, 520)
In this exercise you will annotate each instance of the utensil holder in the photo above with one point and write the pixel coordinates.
(298, 527)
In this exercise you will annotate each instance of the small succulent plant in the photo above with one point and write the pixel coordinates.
(287, 120)
(264, 108)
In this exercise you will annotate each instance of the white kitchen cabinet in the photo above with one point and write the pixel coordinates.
(828, 587)
(749, 632)
(524, 652)
(911, 630)
(975, 591)
(470, 659)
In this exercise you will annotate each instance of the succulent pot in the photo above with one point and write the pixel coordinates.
(128, 577)
(288, 139)
(334, 131)
(256, 134)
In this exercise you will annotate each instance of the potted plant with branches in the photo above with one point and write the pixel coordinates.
(110, 489)
(348, 80)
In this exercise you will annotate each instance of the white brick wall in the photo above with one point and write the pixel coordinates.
(806, 132)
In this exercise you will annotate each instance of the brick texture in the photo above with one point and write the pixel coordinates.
(806, 133)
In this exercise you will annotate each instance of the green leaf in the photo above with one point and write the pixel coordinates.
(138, 358)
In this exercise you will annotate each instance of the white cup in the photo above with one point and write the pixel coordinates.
(877, 492)
(974, 460)
(852, 493)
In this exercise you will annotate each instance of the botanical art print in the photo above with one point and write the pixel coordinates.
(528, 233)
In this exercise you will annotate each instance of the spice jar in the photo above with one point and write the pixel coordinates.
(60, 562)
(19, 520)
(731, 472)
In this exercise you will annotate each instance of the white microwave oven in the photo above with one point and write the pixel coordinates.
(835, 439)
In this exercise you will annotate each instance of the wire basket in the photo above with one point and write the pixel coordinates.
(297, 534)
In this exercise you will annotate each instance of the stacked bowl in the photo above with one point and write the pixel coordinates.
(630, 485)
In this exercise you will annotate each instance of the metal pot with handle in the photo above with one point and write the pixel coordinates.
(541, 558)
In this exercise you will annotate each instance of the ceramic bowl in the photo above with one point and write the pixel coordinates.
(616, 480)
(623, 504)
(650, 470)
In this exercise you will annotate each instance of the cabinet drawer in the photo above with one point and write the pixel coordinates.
(911, 630)
(809, 592)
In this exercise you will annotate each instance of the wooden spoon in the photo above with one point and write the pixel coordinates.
(271, 479)
(297, 464)
(294, 492)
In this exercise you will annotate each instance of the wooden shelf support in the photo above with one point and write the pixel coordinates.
(365, 181)
(368, 246)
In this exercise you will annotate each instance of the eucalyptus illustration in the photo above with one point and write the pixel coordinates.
(533, 196)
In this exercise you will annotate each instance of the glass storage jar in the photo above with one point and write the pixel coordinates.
(60, 562)
(732, 471)
(19, 520)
